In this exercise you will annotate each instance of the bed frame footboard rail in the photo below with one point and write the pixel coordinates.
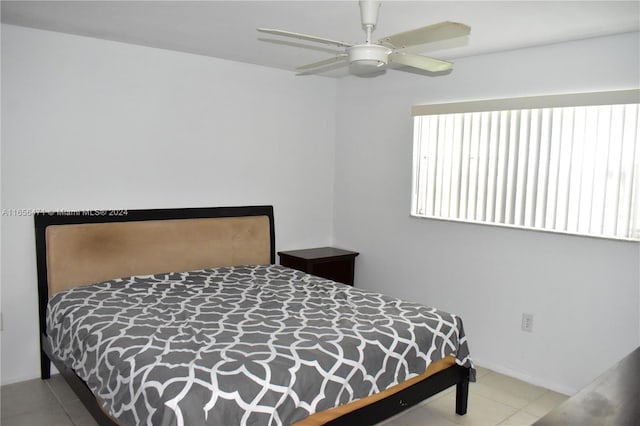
(388, 407)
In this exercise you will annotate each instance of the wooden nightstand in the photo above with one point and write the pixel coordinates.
(326, 262)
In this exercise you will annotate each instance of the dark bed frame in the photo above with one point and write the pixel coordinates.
(369, 414)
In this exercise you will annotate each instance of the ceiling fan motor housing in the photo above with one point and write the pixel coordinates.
(368, 55)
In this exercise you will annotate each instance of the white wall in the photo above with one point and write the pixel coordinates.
(584, 292)
(91, 124)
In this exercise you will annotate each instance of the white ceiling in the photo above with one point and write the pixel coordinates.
(227, 29)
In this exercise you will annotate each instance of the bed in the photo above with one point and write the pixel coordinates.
(181, 316)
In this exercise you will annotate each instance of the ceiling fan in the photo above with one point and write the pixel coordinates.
(368, 57)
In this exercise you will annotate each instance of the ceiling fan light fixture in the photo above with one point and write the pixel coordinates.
(368, 57)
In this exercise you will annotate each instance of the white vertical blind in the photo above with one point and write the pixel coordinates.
(573, 169)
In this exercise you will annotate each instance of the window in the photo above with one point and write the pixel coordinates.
(566, 163)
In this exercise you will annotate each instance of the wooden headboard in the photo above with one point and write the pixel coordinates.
(80, 248)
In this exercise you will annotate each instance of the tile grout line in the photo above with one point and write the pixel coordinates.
(55, 395)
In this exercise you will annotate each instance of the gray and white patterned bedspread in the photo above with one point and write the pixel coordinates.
(252, 345)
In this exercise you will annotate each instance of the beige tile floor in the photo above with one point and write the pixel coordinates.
(495, 399)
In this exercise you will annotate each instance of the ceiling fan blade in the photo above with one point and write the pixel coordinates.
(302, 45)
(324, 69)
(341, 57)
(430, 33)
(420, 62)
(305, 37)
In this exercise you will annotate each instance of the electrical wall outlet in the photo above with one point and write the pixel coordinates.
(527, 322)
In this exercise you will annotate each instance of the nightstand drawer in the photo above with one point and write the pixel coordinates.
(326, 262)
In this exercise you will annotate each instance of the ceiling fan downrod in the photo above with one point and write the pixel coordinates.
(369, 16)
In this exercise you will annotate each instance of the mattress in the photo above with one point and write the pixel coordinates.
(246, 345)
